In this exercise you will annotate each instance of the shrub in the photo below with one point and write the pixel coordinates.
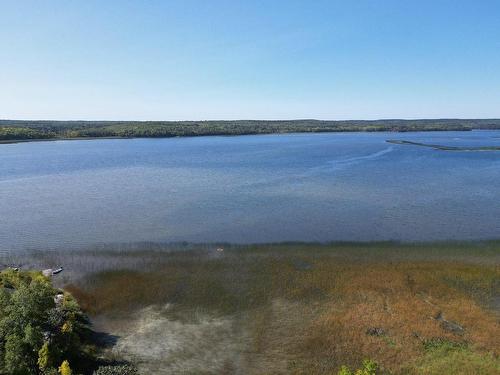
(369, 368)
(44, 357)
(64, 369)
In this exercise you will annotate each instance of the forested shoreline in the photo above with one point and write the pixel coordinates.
(13, 130)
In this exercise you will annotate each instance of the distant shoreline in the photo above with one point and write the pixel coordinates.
(14, 131)
(13, 141)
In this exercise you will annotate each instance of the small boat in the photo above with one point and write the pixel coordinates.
(56, 271)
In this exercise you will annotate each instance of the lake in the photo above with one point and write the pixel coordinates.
(246, 189)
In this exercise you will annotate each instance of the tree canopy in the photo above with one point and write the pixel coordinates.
(42, 329)
(11, 130)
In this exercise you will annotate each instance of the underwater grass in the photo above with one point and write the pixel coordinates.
(310, 308)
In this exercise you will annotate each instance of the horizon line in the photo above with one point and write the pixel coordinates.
(268, 120)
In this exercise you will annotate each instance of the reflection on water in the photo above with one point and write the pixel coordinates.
(298, 187)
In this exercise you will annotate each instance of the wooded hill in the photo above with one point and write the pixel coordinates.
(25, 130)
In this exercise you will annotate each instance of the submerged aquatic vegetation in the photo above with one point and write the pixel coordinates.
(296, 308)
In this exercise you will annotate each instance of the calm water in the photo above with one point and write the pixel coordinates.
(307, 187)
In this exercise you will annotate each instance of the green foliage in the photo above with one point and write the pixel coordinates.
(12, 133)
(19, 130)
(65, 369)
(34, 330)
(44, 357)
(444, 357)
(443, 345)
(369, 368)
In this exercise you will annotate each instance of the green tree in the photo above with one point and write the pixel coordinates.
(15, 359)
(38, 330)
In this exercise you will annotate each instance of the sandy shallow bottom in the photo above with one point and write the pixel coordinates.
(157, 343)
(160, 344)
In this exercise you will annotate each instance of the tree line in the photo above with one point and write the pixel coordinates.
(11, 130)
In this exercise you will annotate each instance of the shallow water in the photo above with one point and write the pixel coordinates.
(266, 188)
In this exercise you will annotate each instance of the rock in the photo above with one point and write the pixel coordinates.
(449, 325)
(439, 316)
(452, 327)
(58, 298)
(47, 272)
(376, 331)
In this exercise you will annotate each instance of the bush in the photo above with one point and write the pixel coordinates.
(64, 369)
(369, 368)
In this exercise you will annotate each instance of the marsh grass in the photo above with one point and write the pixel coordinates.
(444, 357)
(310, 308)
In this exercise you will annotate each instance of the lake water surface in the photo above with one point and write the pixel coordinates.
(266, 188)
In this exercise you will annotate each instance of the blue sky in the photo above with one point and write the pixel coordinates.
(186, 59)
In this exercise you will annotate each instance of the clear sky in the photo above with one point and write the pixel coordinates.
(235, 59)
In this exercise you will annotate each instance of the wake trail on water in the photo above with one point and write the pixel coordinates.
(338, 164)
(357, 159)
(328, 166)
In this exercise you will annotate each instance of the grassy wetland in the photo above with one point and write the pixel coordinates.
(292, 308)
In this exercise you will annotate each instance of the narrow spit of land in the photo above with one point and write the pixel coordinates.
(443, 147)
(18, 130)
(292, 308)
